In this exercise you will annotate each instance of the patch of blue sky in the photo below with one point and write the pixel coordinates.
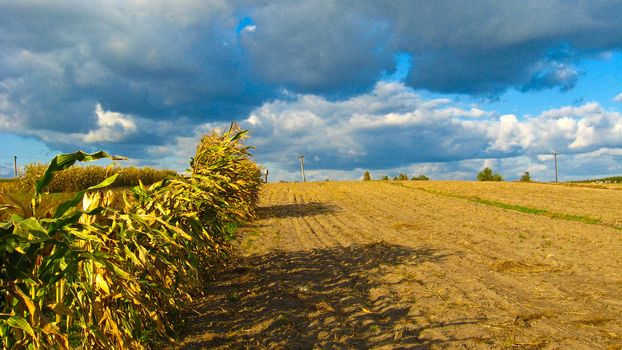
(245, 23)
(403, 63)
(27, 150)
(600, 80)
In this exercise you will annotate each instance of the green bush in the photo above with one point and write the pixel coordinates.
(366, 176)
(487, 175)
(526, 177)
(401, 177)
(420, 178)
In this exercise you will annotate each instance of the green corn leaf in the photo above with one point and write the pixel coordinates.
(132, 256)
(104, 259)
(102, 284)
(64, 221)
(21, 323)
(30, 226)
(17, 272)
(85, 236)
(60, 309)
(77, 199)
(64, 161)
(238, 135)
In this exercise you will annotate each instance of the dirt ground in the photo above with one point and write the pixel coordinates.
(598, 201)
(381, 265)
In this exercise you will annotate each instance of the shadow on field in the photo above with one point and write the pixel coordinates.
(295, 210)
(308, 299)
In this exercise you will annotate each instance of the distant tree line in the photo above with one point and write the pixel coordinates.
(400, 177)
(487, 174)
(610, 179)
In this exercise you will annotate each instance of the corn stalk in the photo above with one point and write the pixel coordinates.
(94, 276)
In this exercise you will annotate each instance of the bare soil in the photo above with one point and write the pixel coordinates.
(598, 201)
(381, 265)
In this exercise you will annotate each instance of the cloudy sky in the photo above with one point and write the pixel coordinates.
(422, 87)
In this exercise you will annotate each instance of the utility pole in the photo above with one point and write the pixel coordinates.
(555, 157)
(15, 166)
(302, 167)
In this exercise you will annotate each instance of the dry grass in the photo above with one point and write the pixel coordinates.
(523, 267)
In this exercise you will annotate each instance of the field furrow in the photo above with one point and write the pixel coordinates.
(590, 201)
(384, 265)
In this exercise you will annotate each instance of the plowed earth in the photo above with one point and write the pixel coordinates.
(387, 265)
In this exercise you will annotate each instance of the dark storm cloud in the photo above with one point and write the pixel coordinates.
(60, 60)
(318, 46)
(211, 61)
(488, 46)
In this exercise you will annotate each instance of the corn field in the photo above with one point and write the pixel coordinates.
(78, 178)
(94, 276)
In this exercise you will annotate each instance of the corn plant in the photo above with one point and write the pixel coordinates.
(95, 276)
(78, 178)
(224, 160)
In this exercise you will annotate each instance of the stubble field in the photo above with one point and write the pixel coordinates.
(401, 265)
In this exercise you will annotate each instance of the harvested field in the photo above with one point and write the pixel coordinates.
(384, 265)
(596, 201)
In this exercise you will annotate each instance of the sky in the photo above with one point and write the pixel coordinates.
(442, 89)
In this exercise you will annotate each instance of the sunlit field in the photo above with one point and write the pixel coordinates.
(412, 264)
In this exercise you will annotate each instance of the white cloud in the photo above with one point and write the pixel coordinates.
(618, 98)
(389, 125)
(509, 133)
(111, 127)
(181, 12)
(300, 120)
(393, 128)
(176, 155)
(489, 163)
(566, 129)
(454, 112)
(249, 28)
(253, 120)
(8, 118)
(389, 130)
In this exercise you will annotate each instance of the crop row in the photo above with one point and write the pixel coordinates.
(94, 276)
(78, 178)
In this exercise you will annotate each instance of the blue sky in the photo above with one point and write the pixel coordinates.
(435, 88)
